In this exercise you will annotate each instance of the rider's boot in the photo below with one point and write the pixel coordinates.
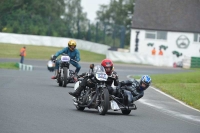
(55, 76)
(77, 92)
(75, 77)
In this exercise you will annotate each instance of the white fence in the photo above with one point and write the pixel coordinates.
(51, 41)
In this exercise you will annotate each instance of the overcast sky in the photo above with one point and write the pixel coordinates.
(91, 6)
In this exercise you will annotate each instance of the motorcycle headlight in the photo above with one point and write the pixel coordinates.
(51, 66)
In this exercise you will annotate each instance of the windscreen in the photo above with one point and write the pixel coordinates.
(98, 69)
(100, 73)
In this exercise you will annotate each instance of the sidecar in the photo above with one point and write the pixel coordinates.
(124, 102)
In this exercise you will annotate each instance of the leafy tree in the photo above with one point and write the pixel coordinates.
(65, 18)
(118, 13)
(76, 18)
(46, 17)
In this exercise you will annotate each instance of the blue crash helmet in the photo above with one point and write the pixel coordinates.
(50, 65)
(146, 79)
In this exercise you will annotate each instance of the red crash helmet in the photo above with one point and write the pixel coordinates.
(108, 65)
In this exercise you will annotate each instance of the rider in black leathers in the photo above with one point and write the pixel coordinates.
(136, 88)
(88, 77)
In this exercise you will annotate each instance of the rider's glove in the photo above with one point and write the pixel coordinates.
(54, 58)
(114, 75)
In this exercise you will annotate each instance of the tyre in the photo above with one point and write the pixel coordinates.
(60, 83)
(126, 112)
(65, 76)
(104, 102)
(80, 108)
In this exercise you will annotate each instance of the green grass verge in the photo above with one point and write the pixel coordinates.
(44, 52)
(183, 86)
(9, 65)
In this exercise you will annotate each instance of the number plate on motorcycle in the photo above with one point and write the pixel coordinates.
(65, 58)
(102, 76)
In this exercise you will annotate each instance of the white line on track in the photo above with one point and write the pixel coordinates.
(170, 112)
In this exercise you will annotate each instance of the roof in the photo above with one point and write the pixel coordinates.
(167, 15)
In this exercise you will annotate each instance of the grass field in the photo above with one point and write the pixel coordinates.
(43, 52)
(9, 65)
(183, 86)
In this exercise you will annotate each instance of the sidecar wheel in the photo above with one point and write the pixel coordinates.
(126, 112)
(104, 102)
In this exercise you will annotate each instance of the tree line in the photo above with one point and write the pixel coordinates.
(65, 18)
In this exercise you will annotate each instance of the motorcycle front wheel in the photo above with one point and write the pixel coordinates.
(65, 76)
(60, 82)
(104, 101)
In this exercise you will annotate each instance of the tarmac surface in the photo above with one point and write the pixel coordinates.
(31, 102)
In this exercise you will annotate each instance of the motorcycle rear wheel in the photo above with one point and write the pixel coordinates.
(104, 102)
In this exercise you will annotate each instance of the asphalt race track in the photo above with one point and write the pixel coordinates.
(31, 102)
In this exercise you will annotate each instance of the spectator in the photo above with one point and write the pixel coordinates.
(160, 52)
(22, 54)
(153, 51)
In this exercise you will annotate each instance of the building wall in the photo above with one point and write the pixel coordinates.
(173, 38)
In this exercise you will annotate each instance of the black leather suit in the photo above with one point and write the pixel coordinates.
(133, 86)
